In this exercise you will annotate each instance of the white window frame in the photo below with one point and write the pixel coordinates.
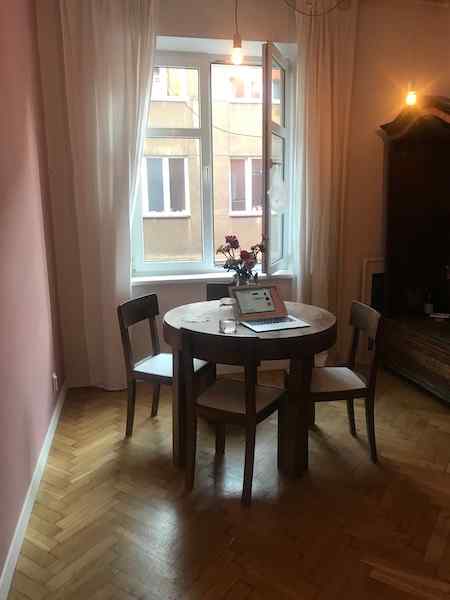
(141, 268)
(167, 213)
(249, 211)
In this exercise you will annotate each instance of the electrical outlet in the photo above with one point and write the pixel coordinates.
(55, 383)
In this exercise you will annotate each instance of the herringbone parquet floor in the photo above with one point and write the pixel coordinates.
(112, 521)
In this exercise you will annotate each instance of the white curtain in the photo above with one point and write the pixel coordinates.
(108, 53)
(326, 50)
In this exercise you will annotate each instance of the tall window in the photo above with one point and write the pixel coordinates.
(201, 175)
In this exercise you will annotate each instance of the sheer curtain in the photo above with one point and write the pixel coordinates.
(108, 53)
(326, 50)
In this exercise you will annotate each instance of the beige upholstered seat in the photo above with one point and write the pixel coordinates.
(229, 395)
(329, 384)
(336, 379)
(161, 365)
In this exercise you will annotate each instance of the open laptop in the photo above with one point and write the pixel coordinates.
(262, 309)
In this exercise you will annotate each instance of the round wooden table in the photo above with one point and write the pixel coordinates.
(294, 416)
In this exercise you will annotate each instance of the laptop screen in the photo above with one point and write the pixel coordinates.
(253, 301)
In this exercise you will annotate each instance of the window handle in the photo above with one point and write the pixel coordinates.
(206, 174)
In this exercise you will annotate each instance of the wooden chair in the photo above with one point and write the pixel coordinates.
(157, 367)
(217, 291)
(226, 401)
(342, 382)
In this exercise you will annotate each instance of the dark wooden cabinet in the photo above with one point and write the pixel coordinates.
(417, 188)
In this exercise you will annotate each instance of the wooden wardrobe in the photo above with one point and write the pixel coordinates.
(417, 258)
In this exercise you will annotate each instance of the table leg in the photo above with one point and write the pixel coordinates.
(178, 411)
(312, 421)
(294, 416)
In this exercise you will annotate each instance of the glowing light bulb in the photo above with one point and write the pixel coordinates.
(236, 56)
(411, 96)
(236, 53)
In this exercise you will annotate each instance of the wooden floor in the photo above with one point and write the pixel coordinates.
(112, 519)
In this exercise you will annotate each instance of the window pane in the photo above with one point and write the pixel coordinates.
(257, 189)
(174, 100)
(177, 184)
(278, 83)
(278, 199)
(237, 86)
(155, 184)
(236, 132)
(171, 236)
(256, 87)
(237, 184)
(278, 158)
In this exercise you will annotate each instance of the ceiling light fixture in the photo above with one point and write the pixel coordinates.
(411, 96)
(236, 53)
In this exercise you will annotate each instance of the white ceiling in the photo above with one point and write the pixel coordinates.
(216, 46)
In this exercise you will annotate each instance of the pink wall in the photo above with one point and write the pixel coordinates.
(398, 40)
(29, 330)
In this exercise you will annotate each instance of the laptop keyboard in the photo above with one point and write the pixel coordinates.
(272, 321)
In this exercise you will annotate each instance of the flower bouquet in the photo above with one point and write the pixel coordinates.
(242, 262)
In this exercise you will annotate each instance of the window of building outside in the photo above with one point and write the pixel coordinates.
(165, 187)
(201, 175)
(245, 186)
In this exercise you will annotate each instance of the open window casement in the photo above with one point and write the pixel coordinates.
(275, 186)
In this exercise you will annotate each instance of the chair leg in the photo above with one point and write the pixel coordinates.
(131, 406)
(213, 372)
(191, 449)
(351, 417)
(220, 438)
(250, 438)
(155, 402)
(370, 421)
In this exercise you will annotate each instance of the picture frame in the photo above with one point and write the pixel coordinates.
(370, 267)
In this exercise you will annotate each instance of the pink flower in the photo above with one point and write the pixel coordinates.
(245, 255)
(232, 241)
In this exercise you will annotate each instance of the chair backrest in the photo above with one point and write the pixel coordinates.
(217, 291)
(135, 311)
(365, 319)
(225, 350)
(232, 350)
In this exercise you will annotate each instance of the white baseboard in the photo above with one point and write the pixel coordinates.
(22, 524)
